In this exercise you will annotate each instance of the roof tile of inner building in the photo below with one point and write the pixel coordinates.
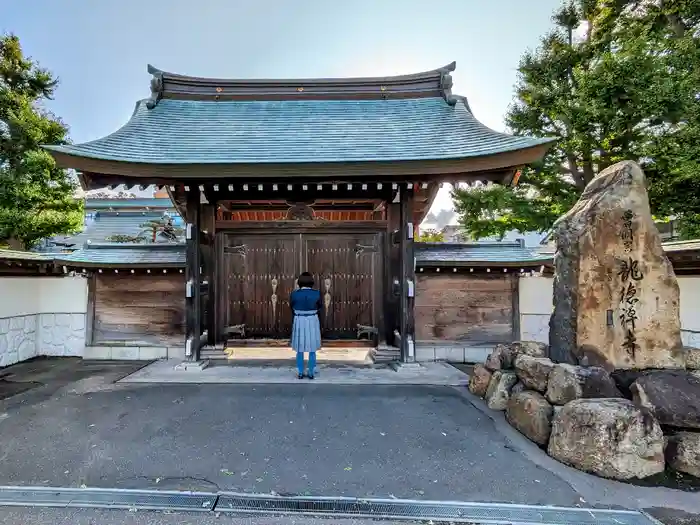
(126, 255)
(143, 204)
(299, 131)
(476, 253)
(108, 223)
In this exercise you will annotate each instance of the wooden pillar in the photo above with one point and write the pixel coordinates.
(392, 269)
(408, 277)
(193, 304)
(208, 219)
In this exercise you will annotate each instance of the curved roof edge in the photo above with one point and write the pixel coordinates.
(436, 82)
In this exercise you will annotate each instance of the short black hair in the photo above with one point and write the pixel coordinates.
(305, 280)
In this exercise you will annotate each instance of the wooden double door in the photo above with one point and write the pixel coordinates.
(259, 271)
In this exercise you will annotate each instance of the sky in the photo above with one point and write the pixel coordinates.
(99, 49)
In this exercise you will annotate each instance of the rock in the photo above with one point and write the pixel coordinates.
(692, 358)
(683, 453)
(479, 381)
(616, 298)
(519, 387)
(533, 371)
(499, 389)
(569, 382)
(516, 348)
(531, 348)
(531, 414)
(672, 396)
(496, 358)
(608, 437)
(624, 379)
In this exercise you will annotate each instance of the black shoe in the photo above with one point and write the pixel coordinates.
(310, 376)
(301, 376)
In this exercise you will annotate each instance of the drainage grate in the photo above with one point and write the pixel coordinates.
(106, 498)
(457, 512)
(478, 513)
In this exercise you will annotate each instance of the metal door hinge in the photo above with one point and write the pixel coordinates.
(236, 329)
(237, 250)
(363, 248)
(369, 331)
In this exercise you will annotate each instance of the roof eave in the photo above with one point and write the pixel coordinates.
(141, 173)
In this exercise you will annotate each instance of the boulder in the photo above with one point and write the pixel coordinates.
(479, 380)
(692, 358)
(497, 358)
(519, 387)
(531, 414)
(498, 393)
(624, 379)
(672, 396)
(569, 382)
(683, 453)
(609, 437)
(531, 348)
(533, 371)
(616, 298)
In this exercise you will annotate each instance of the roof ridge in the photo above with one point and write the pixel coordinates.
(435, 82)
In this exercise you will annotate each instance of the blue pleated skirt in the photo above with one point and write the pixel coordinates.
(306, 331)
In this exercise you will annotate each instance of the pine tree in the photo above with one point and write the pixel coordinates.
(626, 88)
(36, 197)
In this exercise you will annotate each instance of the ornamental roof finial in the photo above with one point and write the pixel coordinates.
(156, 87)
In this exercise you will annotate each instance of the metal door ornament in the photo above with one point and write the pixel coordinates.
(327, 295)
(274, 297)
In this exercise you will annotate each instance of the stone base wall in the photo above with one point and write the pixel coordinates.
(25, 336)
(134, 353)
(427, 351)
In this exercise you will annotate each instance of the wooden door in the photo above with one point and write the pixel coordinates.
(259, 272)
(343, 266)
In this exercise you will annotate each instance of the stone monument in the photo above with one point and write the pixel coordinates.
(616, 298)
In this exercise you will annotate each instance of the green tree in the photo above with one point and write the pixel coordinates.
(614, 80)
(431, 236)
(36, 197)
(150, 230)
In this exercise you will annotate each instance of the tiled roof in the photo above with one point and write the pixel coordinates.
(106, 204)
(15, 255)
(476, 253)
(296, 131)
(158, 255)
(678, 246)
(106, 224)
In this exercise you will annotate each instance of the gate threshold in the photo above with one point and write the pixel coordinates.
(339, 507)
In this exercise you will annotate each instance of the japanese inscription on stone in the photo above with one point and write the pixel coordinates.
(629, 273)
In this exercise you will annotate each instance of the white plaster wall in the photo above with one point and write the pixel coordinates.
(690, 310)
(535, 301)
(19, 296)
(41, 316)
(535, 304)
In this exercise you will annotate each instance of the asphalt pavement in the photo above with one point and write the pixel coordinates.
(414, 442)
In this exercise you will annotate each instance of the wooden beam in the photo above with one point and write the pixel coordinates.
(90, 315)
(193, 317)
(408, 277)
(292, 226)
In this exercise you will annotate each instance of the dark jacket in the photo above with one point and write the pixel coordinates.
(306, 299)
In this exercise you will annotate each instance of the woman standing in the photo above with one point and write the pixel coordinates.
(306, 328)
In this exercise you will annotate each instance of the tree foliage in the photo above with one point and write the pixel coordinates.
(431, 236)
(614, 80)
(110, 195)
(150, 230)
(36, 197)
